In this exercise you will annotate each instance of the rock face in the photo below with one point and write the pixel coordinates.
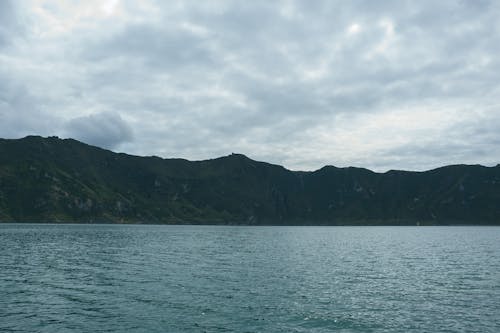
(50, 180)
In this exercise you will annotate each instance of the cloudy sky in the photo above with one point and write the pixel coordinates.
(377, 84)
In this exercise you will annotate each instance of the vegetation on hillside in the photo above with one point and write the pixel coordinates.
(55, 180)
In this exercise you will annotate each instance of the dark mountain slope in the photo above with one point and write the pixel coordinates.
(49, 179)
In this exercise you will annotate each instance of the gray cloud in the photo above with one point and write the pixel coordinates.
(21, 113)
(104, 129)
(155, 47)
(7, 22)
(387, 85)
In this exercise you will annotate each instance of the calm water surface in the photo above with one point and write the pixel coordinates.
(117, 278)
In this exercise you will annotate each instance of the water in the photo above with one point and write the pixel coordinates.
(118, 278)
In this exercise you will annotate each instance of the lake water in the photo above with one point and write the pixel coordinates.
(144, 278)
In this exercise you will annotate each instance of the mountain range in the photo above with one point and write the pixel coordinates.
(64, 180)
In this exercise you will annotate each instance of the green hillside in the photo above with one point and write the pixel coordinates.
(54, 180)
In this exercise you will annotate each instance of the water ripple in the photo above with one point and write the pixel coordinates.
(117, 278)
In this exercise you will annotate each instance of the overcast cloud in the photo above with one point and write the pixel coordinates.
(377, 84)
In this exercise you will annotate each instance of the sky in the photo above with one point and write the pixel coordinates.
(410, 85)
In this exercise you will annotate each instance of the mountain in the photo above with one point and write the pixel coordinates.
(55, 180)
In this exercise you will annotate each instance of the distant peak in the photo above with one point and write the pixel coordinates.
(238, 155)
(327, 167)
(32, 137)
(39, 137)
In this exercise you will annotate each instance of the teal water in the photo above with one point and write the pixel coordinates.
(142, 278)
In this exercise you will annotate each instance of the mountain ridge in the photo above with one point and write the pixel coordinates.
(65, 180)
